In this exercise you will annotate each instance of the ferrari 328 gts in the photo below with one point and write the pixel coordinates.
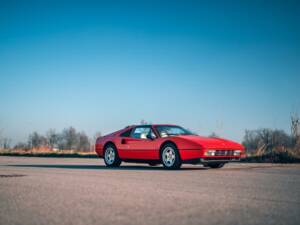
(165, 144)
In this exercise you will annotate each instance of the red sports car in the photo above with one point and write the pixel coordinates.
(170, 145)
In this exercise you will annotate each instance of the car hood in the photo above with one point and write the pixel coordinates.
(212, 143)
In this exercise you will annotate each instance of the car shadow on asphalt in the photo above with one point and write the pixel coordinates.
(99, 167)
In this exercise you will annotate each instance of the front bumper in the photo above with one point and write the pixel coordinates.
(209, 160)
(199, 156)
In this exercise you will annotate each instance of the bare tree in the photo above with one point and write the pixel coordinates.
(281, 139)
(295, 132)
(84, 143)
(1, 139)
(36, 140)
(251, 140)
(70, 138)
(295, 127)
(6, 143)
(52, 138)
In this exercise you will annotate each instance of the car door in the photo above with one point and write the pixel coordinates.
(138, 145)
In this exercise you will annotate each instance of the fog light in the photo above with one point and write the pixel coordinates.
(237, 152)
(210, 153)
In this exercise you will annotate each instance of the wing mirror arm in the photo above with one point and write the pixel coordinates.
(149, 136)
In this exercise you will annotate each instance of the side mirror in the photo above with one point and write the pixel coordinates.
(149, 136)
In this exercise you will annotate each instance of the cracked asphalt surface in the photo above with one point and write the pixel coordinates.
(83, 191)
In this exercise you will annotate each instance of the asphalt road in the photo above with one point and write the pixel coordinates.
(83, 191)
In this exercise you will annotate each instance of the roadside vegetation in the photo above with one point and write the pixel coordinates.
(68, 142)
(267, 145)
(262, 145)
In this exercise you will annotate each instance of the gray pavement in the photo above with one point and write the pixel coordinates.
(83, 191)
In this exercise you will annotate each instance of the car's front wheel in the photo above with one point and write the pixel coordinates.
(111, 157)
(170, 157)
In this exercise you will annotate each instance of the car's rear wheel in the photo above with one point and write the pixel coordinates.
(170, 157)
(215, 165)
(111, 157)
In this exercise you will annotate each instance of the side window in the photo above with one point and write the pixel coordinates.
(142, 132)
(126, 133)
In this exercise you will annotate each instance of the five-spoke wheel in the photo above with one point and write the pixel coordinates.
(170, 157)
(111, 157)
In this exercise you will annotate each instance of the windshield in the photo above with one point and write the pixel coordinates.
(165, 131)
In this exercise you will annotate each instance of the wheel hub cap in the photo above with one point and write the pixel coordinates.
(168, 156)
(110, 155)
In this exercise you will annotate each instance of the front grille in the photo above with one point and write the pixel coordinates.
(224, 153)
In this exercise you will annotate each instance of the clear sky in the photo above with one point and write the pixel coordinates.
(222, 66)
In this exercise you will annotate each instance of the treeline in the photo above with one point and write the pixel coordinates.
(266, 140)
(67, 139)
(274, 145)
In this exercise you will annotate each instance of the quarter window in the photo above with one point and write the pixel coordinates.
(126, 133)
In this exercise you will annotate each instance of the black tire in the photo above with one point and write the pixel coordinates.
(168, 163)
(109, 161)
(215, 165)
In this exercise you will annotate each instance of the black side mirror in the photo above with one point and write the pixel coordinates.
(149, 136)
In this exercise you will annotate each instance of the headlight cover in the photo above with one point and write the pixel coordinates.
(210, 153)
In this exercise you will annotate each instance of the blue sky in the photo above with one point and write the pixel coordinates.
(222, 66)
